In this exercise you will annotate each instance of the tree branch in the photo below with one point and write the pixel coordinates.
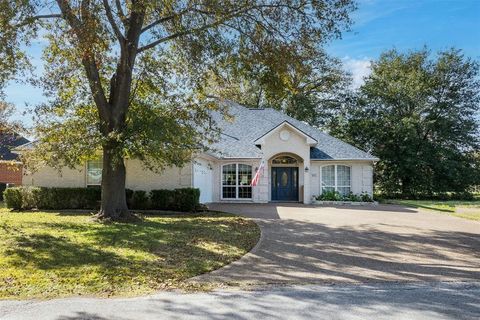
(227, 16)
(88, 60)
(111, 19)
(47, 16)
(180, 34)
(120, 12)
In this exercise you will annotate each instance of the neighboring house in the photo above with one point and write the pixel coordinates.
(10, 166)
(296, 161)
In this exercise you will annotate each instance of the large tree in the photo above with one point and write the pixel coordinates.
(304, 84)
(129, 77)
(419, 115)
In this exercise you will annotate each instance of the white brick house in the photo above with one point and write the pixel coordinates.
(299, 161)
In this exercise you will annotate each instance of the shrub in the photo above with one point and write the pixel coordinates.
(330, 196)
(365, 197)
(184, 199)
(187, 199)
(336, 196)
(351, 197)
(442, 196)
(139, 200)
(68, 198)
(18, 198)
(13, 198)
(162, 199)
(128, 196)
(3, 186)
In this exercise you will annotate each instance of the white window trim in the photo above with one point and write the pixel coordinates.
(237, 185)
(86, 176)
(336, 186)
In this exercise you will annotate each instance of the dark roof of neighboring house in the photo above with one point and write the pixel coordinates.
(8, 141)
(237, 138)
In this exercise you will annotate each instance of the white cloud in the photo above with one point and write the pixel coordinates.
(358, 68)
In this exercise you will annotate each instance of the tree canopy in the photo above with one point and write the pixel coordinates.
(130, 76)
(419, 115)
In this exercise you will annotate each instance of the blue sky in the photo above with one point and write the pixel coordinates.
(379, 25)
(406, 25)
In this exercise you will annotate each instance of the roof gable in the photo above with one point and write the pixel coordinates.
(308, 139)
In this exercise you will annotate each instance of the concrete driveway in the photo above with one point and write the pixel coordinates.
(306, 244)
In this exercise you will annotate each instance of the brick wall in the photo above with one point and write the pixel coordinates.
(10, 173)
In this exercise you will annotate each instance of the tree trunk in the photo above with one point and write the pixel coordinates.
(114, 203)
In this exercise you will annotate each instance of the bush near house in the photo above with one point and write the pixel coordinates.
(337, 196)
(185, 199)
(25, 198)
(3, 186)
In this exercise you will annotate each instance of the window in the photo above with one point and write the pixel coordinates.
(328, 178)
(336, 178)
(236, 180)
(94, 172)
(284, 160)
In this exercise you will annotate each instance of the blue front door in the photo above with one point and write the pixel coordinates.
(284, 184)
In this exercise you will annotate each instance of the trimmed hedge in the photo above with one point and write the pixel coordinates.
(184, 199)
(3, 186)
(139, 200)
(24, 198)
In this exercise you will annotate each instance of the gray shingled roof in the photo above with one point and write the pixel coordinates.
(237, 138)
(9, 141)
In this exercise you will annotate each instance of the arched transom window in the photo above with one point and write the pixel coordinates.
(236, 179)
(336, 178)
(284, 160)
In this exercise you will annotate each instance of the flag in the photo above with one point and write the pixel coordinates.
(258, 174)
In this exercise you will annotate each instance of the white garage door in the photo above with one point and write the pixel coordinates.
(203, 180)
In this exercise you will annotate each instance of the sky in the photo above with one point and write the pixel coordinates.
(379, 25)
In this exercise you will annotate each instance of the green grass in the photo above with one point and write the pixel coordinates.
(53, 254)
(463, 209)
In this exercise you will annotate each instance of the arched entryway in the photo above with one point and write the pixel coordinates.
(285, 182)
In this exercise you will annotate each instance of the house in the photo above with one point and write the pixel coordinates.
(10, 166)
(296, 161)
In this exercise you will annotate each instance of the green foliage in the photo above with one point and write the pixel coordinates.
(25, 198)
(418, 115)
(183, 200)
(365, 197)
(330, 196)
(306, 85)
(3, 186)
(441, 196)
(187, 199)
(67, 198)
(13, 198)
(140, 200)
(163, 199)
(337, 196)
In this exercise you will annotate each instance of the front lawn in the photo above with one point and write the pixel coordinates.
(45, 255)
(463, 209)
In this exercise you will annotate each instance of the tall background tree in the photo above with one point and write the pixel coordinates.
(129, 77)
(304, 84)
(419, 115)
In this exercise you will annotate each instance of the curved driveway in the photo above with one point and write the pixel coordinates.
(306, 244)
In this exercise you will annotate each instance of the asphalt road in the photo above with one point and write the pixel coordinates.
(375, 301)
